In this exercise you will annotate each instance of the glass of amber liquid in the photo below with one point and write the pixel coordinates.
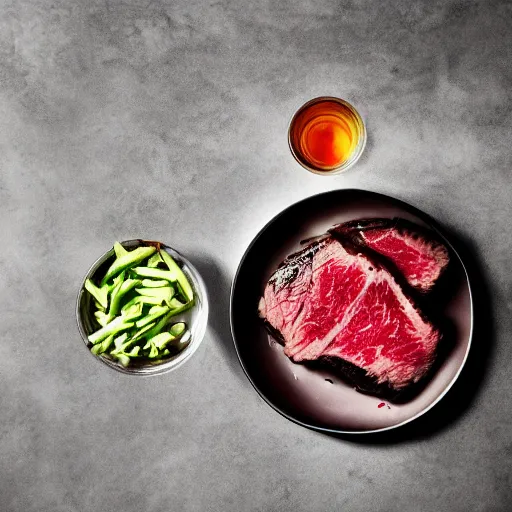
(327, 135)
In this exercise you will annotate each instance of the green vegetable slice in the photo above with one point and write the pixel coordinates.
(99, 348)
(141, 299)
(119, 293)
(152, 283)
(99, 307)
(178, 329)
(155, 260)
(140, 332)
(162, 310)
(160, 340)
(176, 304)
(167, 275)
(117, 325)
(101, 318)
(134, 351)
(127, 261)
(100, 294)
(120, 339)
(132, 313)
(153, 352)
(122, 347)
(180, 276)
(114, 289)
(165, 292)
(123, 359)
(119, 250)
(163, 322)
(154, 309)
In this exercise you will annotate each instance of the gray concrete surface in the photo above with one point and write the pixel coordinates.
(167, 120)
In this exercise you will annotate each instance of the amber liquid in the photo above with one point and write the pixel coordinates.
(325, 134)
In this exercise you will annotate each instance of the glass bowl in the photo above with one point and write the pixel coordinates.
(196, 318)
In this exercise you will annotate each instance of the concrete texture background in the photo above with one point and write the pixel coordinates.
(167, 120)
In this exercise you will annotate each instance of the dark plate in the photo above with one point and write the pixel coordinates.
(303, 395)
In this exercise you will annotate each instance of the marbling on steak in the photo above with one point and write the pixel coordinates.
(415, 251)
(330, 302)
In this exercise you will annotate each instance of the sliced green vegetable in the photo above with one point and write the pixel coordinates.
(152, 283)
(121, 349)
(178, 329)
(160, 340)
(134, 351)
(96, 349)
(119, 324)
(163, 321)
(162, 310)
(99, 307)
(142, 331)
(156, 273)
(100, 294)
(132, 313)
(119, 293)
(153, 352)
(164, 292)
(176, 304)
(141, 299)
(154, 309)
(155, 260)
(107, 290)
(99, 348)
(116, 287)
(101, 318)
(158, 327)
(119, 250)
(108, 287)
(179, 291)
(129, 260)
(120, 339)
(123, 359)
(180, 276)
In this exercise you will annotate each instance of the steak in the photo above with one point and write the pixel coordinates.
(333, 304)
(416, 252)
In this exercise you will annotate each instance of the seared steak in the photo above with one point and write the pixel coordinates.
(416, 252)
(333, 303)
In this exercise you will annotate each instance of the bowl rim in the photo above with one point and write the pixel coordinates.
(196, 339)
